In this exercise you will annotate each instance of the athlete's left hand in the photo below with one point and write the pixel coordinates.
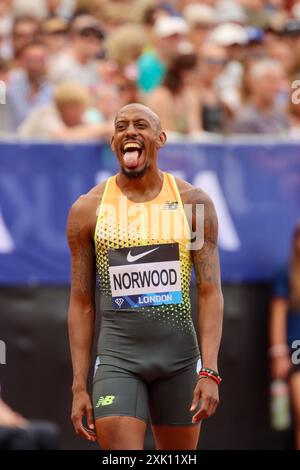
(207, 392)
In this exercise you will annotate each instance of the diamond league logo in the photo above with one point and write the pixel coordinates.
(119, 302)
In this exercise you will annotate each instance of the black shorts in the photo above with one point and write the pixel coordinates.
(119, 392)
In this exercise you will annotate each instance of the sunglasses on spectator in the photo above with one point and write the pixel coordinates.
(91, 32)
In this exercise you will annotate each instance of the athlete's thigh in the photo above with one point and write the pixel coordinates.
(176, 437)
(120, 404)
(170, 400)
(120, 433)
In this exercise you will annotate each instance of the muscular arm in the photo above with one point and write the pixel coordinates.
(278, 321)
(81, 314)
(207, 270)
(279, 352)
(210, 298)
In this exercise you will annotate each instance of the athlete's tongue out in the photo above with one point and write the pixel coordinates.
(131, 158)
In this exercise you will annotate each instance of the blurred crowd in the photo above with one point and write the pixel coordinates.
(206, 67)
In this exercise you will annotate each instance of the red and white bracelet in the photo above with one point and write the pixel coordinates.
(206, 373)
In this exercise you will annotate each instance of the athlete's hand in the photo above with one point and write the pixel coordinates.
(207, 392)
(81, 407)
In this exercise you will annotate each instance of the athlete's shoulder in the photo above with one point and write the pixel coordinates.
(85, 207)
(191, 194)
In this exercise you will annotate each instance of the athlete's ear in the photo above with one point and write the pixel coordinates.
(112, 144)
(162, 138)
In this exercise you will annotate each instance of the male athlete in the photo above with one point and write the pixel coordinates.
(133, 232)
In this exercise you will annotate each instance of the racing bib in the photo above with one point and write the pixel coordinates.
(143, 276)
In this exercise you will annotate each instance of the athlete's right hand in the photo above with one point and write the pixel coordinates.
(82, 406)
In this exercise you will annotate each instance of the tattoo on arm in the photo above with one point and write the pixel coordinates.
(206, 259)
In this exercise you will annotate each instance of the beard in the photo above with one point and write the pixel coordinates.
(132, 174)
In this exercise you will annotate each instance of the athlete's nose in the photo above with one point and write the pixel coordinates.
(131, 130)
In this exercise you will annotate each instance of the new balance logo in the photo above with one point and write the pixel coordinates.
(170, 205)
(105, 401)
(119, 302)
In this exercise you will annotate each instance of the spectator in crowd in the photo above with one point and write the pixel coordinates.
(256, 43)
(284, 329)
(66, 118)
(272, 33)
(127, 89)
(291, 36)
(106, 100)
(79, 61)
(281, 52)
(125, 44)
(212, 60)
(176, 101)
(261, 113)
(28, 87)
(144, 37)
(235, 39)
(54, 33)
(43, 9)
(115, 14)
(5, 113)
(6, 16)
(257, 12)
(24, 31)
(149, 14)
(169, 33)
(230, 11)
(59, 8)
(17, 433)
(201, 19)
(294, 109)
(4, 45)
(6, 23)
(4, 71)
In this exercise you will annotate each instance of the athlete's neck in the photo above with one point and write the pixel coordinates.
(142, 189)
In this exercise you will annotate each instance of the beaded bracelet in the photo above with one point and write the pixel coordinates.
(206, 373)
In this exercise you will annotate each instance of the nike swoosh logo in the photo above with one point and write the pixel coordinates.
(131, 258)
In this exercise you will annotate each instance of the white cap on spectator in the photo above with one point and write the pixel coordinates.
(86, 21)
(196, 13)
(169, 25)
(229, 11)
(228, 34)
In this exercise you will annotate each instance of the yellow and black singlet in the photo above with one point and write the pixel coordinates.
(143, 265)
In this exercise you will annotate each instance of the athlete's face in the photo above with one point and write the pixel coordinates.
(136, 140)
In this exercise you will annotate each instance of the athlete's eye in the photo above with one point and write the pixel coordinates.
(120, 127)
